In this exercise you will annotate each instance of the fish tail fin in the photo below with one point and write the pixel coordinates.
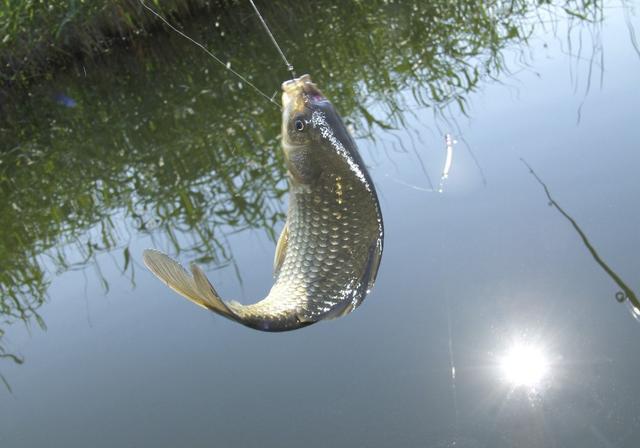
(195, 287)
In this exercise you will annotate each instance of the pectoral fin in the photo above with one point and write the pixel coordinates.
(281, 250)
(374, 260)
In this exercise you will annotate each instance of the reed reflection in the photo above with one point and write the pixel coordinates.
(159, 143)
(626, 295)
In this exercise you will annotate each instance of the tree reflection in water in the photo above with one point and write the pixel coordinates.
(160, 142)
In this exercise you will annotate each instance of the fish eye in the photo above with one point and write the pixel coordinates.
(299, 124)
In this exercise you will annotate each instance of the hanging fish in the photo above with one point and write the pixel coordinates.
(329, 251)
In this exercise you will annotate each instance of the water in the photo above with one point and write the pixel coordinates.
(160, 148)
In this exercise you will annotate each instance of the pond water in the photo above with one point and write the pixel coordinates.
(501, 317)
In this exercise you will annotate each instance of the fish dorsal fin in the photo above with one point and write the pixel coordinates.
(173, 274)
(281, 250)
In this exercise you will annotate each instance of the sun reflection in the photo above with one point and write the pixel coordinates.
(524, 365)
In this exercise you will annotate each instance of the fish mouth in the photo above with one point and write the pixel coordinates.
(299, 93)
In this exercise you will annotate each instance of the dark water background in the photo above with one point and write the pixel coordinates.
(155, 145)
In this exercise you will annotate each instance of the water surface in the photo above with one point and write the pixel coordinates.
(162, 148)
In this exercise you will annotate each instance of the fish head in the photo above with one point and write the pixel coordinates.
(313, 133)
(300, 97)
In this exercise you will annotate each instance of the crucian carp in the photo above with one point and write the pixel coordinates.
(329, 251)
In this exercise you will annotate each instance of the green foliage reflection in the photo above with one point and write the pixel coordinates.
(159, 140)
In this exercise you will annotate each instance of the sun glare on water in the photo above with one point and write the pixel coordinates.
(524, 365)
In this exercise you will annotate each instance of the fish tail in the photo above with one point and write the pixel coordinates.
(195, 286)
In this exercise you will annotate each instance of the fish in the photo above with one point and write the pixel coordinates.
(328, 254)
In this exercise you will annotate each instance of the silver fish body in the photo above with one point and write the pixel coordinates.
(329, 251)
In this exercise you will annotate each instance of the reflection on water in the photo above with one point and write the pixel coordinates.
(163, 146)
(448, 143)
(164, 150)
(160, 143)
(524, 364)
(626, 295)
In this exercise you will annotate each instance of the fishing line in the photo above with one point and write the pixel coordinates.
(273, 39)
(218, 60)
(454, 393)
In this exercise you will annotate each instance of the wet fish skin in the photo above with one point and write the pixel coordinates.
(329, 252)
